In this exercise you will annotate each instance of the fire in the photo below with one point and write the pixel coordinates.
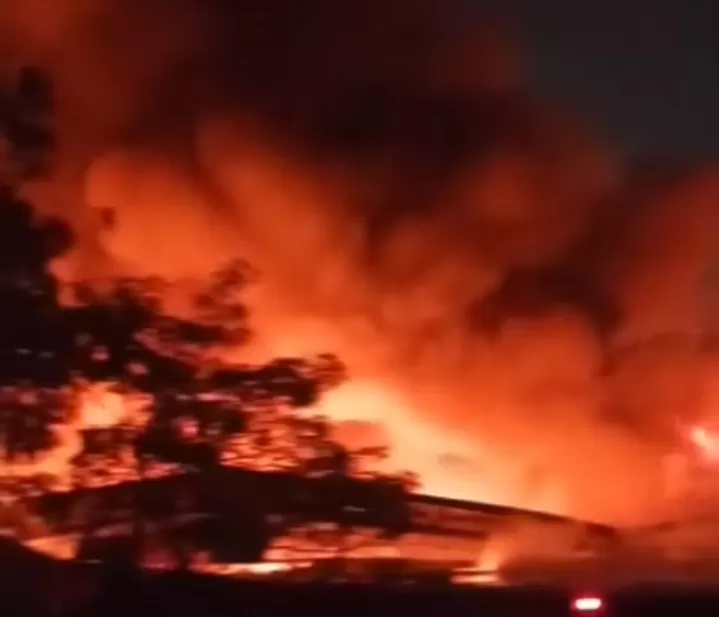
(706, 441)
(267, 568)
(91, 406)
(58, 547)
(513, 417)
(469, 292)
(101, 407)
(413, 444)
(446, 464)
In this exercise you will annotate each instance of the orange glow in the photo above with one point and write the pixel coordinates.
(514, 418)
(58, 547)
(266, 568)
(707, 442)
(386, 256)
(100, 407)
(477, 578)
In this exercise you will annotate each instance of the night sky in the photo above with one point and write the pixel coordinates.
(646, 73)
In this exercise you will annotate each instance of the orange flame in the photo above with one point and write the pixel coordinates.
(706, 441)
(397, 304)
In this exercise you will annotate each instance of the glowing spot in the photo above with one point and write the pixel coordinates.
(706, 442)
(587, 604)
(100, 407)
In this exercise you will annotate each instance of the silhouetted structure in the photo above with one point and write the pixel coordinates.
(237, 516)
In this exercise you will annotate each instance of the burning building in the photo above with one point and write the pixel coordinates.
(498, 284)
(268, 515)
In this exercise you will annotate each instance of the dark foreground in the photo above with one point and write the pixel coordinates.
(32, 585)
(199, 596)
(210, 598)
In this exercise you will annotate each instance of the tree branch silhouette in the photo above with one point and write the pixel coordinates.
(197, 414)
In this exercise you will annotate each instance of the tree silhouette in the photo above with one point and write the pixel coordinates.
(183, 410)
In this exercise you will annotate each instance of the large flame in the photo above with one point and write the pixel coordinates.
(460, 261)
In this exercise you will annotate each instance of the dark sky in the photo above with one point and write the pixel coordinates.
(646, 72)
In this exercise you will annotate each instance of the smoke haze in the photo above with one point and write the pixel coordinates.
(524, 318)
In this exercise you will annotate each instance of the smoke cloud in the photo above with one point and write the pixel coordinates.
(524, 318)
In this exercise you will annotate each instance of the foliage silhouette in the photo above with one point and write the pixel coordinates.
(193, 412)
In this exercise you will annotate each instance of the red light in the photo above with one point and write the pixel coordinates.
(587, 604)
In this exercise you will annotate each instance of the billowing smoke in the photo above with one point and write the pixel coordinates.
(523, 316)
